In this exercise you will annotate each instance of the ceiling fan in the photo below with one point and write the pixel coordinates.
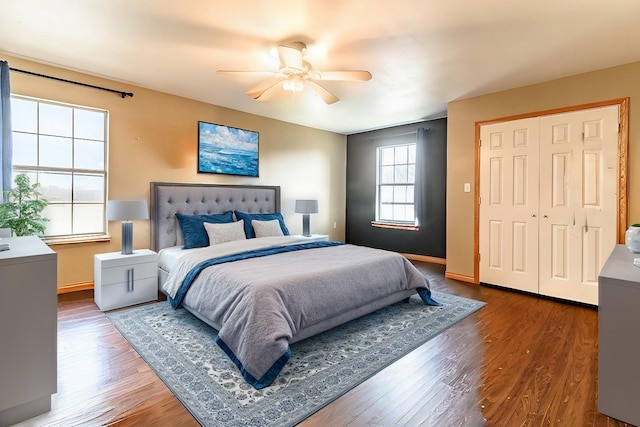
(294, 73)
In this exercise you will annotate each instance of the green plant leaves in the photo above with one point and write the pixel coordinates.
(22, 209)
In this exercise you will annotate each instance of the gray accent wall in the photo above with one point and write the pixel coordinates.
(430, 240)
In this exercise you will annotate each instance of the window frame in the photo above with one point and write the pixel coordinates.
(391, 223)
(73, 171)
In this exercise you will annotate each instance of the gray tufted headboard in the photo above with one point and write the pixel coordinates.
(167, 199)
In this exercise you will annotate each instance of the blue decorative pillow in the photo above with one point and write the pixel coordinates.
(247, 217)
(192, 226)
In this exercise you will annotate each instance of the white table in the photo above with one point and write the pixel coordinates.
(122, 280)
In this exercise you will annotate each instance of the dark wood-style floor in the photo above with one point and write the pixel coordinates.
(519, 361)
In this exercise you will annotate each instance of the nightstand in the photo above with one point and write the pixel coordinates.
(122, 280)
(314, 237)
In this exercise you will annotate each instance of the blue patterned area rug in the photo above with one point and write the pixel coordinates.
(182, 351)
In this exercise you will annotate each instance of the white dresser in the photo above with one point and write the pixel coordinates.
(619, 337)
(28, 329)
(122, 280)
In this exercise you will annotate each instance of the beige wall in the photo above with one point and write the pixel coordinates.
(153, 137)
(612, 83)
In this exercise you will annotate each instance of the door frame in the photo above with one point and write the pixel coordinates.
(623, 148)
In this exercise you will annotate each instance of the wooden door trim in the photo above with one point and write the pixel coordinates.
(623, 149)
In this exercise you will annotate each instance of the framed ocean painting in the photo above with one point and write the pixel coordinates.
(227, 150)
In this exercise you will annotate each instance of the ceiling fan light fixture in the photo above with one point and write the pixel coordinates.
(295, 74)
(293, 85)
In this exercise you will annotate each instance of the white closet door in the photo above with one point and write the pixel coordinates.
(578, 201)
(509, 204)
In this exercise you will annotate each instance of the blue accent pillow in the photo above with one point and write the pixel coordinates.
(247, 217)
(192, 226)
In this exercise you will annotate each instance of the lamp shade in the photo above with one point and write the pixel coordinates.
(306, 206)
(125, 210)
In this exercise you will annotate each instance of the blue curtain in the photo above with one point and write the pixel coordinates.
(5, 129)
(418, 187)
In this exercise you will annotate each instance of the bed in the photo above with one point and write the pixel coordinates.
(266, 292)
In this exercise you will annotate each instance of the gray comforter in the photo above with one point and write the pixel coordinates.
(261, 303)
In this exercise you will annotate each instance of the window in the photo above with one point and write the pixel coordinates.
(63, 147)
(396, 166)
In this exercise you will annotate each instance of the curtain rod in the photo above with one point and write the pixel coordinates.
(393, 135)
(31, 73)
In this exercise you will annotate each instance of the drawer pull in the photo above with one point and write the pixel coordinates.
(130, 280)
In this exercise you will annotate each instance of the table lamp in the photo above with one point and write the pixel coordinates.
(306, 207)
(125, 211)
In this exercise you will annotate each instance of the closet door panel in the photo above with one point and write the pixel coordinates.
(509, 205)
(578, 184)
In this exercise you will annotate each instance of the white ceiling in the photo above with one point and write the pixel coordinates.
(421, 53)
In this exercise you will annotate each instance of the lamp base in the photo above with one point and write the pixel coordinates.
(305, 225)
(127, 237)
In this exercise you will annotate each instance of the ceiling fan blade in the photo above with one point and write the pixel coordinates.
(353, 76)
(274, 92)
(259, 90)
(290, 57)
(326, 96)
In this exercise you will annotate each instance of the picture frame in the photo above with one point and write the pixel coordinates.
(227, 150)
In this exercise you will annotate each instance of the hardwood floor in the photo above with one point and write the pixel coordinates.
(519, 361)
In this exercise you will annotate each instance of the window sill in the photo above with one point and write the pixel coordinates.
(394, 226)
(67, 240)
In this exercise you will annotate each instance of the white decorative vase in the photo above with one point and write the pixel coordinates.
(632, 238)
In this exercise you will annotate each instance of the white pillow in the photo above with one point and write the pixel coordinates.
(228, 232)
(267, 228)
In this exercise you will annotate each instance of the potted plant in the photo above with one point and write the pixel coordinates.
(22, 208)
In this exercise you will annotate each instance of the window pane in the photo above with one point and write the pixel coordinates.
(55, 187)
(387, 155)
(55, 120)
(88, 124)
(88, 218)
(88, 188)
(400, 174)
(398, 213)
(399, 194)
(88, 154)
(55, 152)
(24, 115)
(410, 213)
(386, 194)
(410, 193)
(411, 173)
(386, 212)
(59, 220)
(25, 149)
(386, 175)
(401, 154)
(412, 153)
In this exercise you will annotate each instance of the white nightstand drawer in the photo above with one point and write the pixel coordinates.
(121, 280)
(122, 294)
(121, 274)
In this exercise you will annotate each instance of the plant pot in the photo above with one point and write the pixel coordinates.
(632, 238)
